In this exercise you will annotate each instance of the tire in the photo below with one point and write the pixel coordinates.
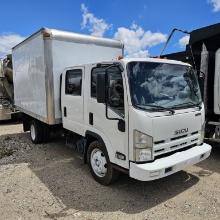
(102, 169)
(209, 131)
(39, 132)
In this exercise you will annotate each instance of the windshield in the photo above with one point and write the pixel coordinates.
(163, 85)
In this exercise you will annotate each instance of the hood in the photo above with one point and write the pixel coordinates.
(177, 125)
(163, 126)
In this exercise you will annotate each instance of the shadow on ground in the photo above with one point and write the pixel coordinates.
(68, 179)
(10, 122)
(212, 164)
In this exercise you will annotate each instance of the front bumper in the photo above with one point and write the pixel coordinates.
(170, 164)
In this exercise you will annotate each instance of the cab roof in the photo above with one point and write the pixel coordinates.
(128, 60)
(154, 60)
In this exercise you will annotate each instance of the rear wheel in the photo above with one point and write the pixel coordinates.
(39, 132)
(33, 132)
(100, 165)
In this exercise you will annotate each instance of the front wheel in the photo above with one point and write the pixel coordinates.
(100, 165)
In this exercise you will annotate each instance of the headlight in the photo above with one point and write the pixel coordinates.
(142, 146)
(201, 135)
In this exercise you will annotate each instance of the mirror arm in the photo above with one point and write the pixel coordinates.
(120, 67)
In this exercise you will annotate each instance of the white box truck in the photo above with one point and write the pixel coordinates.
(143, 117)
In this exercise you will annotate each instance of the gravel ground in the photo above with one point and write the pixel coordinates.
(51, 182)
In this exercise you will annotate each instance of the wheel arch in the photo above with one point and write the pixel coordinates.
(90, 137)
(26, 119)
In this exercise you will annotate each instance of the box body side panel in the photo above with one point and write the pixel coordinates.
(29, 77)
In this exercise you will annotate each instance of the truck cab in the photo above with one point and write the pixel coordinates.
(144, 117)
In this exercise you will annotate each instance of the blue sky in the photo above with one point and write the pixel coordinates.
(142, 24)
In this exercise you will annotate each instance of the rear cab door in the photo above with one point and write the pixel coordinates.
(72, 99)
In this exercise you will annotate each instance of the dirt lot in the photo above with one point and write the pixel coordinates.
(51, 182)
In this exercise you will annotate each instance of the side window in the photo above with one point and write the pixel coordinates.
(116, 90)
(73, 82)
(93, 80)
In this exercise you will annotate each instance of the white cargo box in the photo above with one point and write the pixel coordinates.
(39, 61)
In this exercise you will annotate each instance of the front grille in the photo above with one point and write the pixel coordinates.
(173, 152)
(176, 138)
(194, 140)
(196, 132)
(174, 146)
(157, 151)
(159, 142)
(175, 143)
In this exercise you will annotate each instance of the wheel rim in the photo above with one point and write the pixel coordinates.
(98, 162)
(33, 132)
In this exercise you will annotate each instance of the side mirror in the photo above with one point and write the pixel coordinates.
(101, 88)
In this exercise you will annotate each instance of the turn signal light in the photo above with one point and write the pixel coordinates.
(120, 57)
(46, 34)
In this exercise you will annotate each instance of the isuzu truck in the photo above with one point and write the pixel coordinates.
(144, 117)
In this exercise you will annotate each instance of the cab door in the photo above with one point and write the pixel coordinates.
(72, 100)
(105, 123)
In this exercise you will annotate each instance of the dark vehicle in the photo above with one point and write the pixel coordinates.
(203, 53)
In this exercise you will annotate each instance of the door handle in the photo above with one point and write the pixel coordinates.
(90, 118)
(64, 112)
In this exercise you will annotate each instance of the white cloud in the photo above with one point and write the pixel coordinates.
(139, 54)
(215, 4)
(137, 41)
(96, 26)
(7, 41)
(183, 41)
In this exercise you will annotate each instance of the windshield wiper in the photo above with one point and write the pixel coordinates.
(188, 104)
(157, 107)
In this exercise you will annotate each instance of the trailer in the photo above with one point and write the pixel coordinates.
(115, 110)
